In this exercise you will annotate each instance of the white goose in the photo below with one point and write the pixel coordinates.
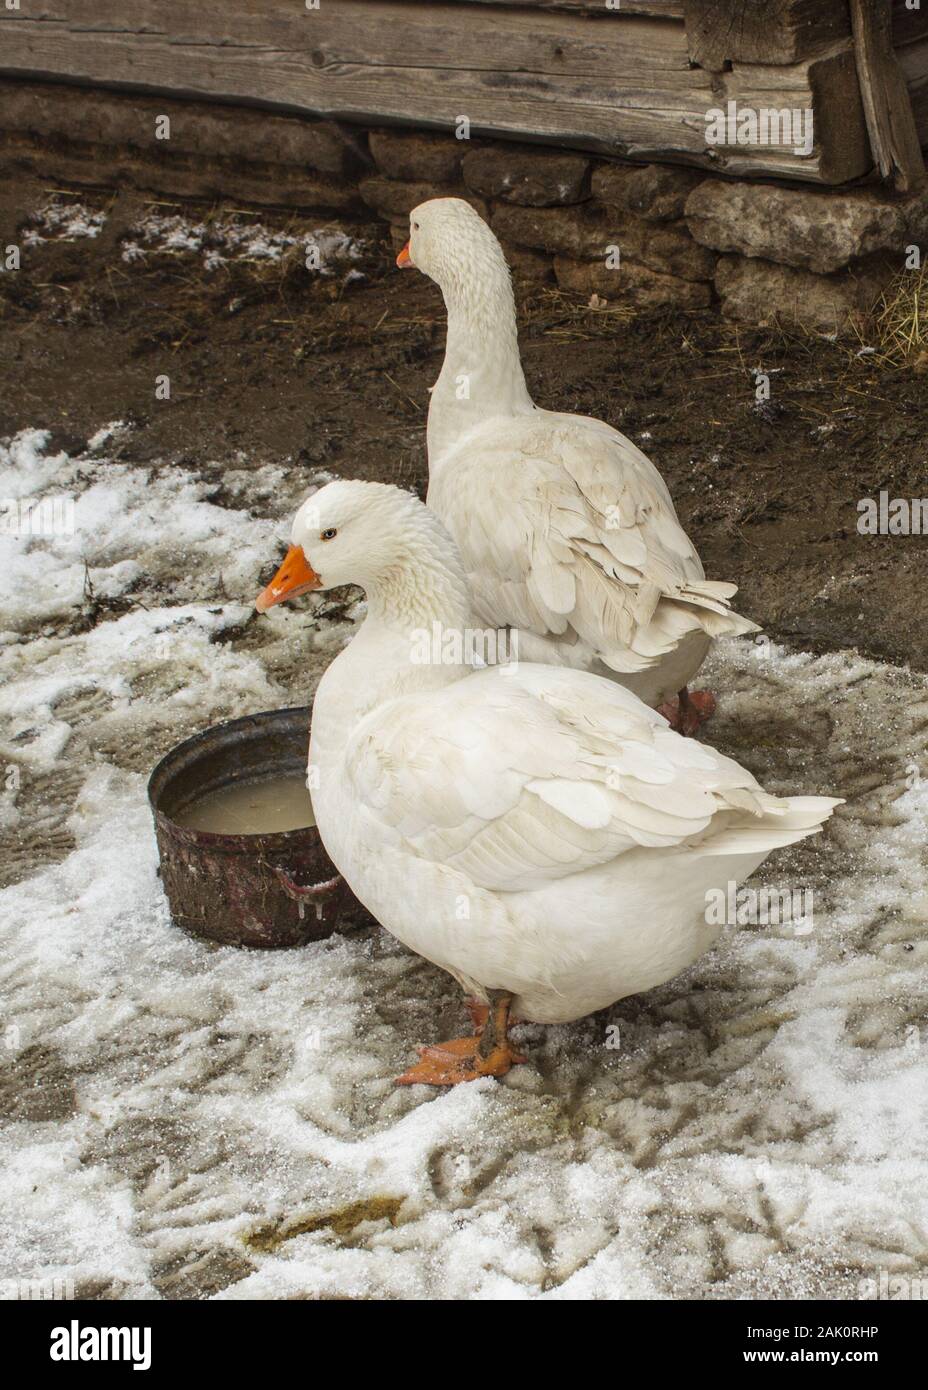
(536, 831)
(567, 530)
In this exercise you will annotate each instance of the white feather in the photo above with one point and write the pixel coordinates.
(567, 530)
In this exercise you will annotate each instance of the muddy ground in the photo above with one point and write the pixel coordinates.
(271, 361)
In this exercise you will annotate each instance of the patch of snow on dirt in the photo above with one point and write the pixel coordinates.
(223, 239)
(183, 1120)
(114, 527)
(104, 434)
(63, 221)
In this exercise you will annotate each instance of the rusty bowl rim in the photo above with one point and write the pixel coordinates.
(215, 839)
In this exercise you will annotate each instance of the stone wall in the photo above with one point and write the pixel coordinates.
(815, 257)
(651, 236)
(591, 227)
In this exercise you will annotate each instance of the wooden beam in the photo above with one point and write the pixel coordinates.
(913, 60)
(887, 104)
(720, 32)
(625, 88)
(909, 25)
(660, 9)
(828, 86)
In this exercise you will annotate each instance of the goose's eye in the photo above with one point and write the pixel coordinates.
(328, 535)
(415, 226)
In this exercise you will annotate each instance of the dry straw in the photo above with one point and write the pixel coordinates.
(902, 321)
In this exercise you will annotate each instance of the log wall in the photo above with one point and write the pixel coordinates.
(634, 83)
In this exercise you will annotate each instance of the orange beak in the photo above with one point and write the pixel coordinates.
(404, 259)
(295, 576)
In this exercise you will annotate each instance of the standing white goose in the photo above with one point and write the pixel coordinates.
(567, 530)
(536, 831)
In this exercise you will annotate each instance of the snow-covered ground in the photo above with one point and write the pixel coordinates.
(188, 1121)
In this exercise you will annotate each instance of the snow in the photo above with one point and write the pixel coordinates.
(757, 1132)
(63, 221)
(221, 239)
(123, 527)
(104, 434)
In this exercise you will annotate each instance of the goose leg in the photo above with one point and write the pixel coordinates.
(479, 1011)
(488, 1053)
(688, 709)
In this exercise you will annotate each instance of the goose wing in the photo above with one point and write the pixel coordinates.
(522, 778)
(568, 530)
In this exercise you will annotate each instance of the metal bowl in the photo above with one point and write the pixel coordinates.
(273, 890)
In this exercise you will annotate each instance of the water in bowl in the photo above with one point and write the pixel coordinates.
(251, 808)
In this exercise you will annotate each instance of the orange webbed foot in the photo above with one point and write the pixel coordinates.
(488, 1053)
(459, 1060)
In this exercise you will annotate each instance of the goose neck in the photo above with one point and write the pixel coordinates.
(416, 593)
(482, 375)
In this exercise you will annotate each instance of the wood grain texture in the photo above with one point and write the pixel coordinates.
(623, 88)
(828, 85)
(890, 118)
(662, 9)
(913, 60)
(909, 25)
(762, 31)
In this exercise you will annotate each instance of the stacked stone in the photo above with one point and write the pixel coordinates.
(659, 235)
(616, 231)
(77, 137)
(813, 256)
(652, 236)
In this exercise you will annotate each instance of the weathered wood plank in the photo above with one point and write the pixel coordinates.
(662, 9)
(887, 106)
(624, 88)
(402, 33)
(762, 31)
(828, 87)
(913, 60)
(909, 25)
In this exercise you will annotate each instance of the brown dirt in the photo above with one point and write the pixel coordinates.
(273, 362)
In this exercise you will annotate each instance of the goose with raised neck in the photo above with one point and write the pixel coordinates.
(567, 531)
(482, 372)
